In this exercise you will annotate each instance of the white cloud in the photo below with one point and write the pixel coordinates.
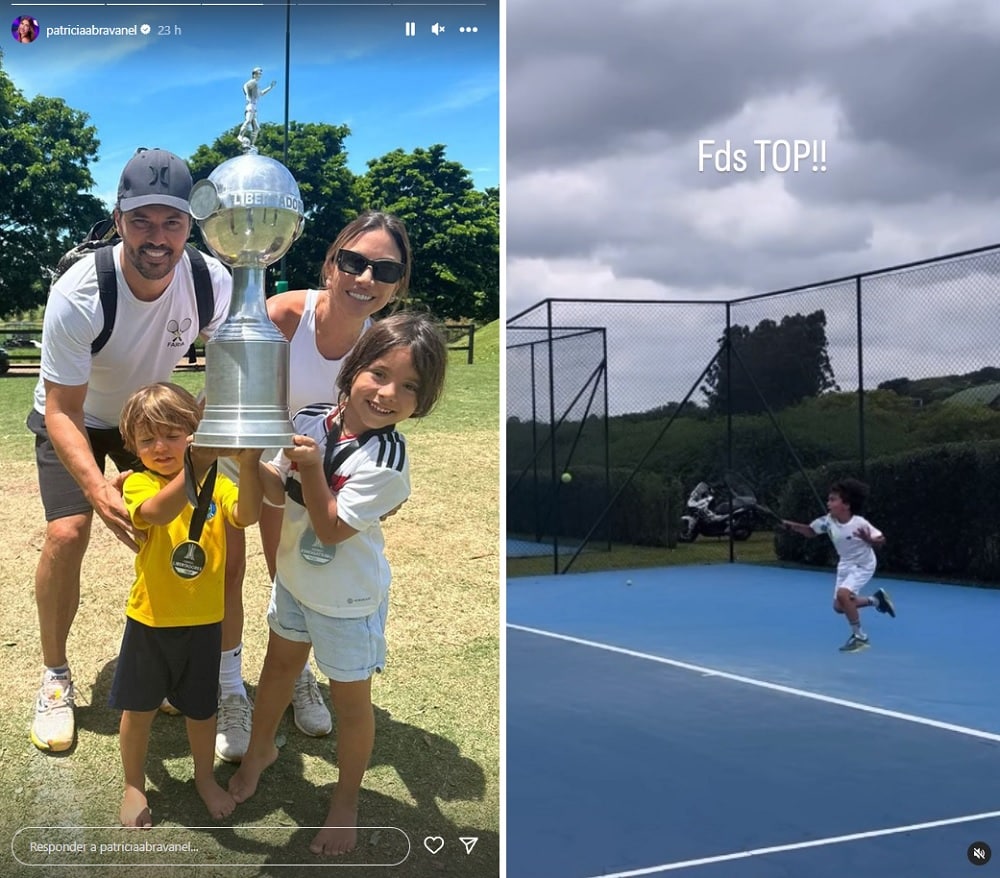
(605, 199)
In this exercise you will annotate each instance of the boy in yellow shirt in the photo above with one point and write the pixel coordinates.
(173, 630)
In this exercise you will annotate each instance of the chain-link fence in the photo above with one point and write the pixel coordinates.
(557, 430)
(759, 390)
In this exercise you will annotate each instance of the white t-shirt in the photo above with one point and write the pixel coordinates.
(349, 579)
(311, 376)
(149, 339)
(851, 549)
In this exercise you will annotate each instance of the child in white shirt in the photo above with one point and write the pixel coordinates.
(855, 539)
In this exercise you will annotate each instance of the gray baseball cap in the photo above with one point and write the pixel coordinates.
(154, 176)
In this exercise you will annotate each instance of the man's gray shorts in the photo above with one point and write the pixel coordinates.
(61, 495)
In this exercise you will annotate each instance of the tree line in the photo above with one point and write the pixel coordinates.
(47, 148)
(787, 411)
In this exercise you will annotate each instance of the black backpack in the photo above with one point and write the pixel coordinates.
(100, 241)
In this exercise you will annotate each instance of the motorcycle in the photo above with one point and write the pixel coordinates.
(704, 516)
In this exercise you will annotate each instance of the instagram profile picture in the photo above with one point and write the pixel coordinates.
(24, 29)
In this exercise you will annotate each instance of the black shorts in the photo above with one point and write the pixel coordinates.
(181, 664)
(61, 495)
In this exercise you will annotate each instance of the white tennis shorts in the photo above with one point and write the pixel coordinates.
(853, 577)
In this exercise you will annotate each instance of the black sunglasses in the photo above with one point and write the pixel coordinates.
(383, 270)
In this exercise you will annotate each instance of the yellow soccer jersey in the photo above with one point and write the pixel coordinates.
(159, 597)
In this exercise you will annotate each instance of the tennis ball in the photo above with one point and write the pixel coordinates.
(628, 581)
(566, 478)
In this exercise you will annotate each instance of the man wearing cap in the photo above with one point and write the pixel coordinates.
(80, 394)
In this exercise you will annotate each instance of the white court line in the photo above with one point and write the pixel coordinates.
(775, 687)
(819, 842)
(763, 684)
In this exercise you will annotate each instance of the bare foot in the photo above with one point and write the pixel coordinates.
(243, 784)
(340, 832)
(135, 811)
(219, 803)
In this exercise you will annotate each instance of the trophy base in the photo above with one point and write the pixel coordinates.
(243, 430)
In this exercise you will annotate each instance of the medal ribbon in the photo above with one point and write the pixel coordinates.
(333, 457)
(200, 500)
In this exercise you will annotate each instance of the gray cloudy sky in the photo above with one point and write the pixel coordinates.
(607, 102)
(605, 110)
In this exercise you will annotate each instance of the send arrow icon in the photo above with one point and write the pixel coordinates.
(469, 841)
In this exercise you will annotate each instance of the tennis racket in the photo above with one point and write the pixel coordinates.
(770, 513)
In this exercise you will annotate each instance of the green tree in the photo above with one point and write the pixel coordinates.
(46, 148)
(787, 361)
(454, 229)
(318, 161)
(940, 387)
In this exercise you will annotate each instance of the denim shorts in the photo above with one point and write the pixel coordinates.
(346, 650)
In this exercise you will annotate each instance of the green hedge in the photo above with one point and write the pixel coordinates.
(938, 508)
(647, 512)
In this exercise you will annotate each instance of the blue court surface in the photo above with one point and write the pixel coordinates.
(702, 721)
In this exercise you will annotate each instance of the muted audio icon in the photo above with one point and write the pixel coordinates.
(437, 29)
(979, 853)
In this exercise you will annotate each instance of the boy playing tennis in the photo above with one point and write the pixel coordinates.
(854, 538)
(173, 630)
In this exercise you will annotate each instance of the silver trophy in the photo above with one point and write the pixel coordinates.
(250, 212)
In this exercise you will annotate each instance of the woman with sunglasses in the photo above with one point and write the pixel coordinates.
(366, 269)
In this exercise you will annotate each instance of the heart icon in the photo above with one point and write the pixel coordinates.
(433, 843)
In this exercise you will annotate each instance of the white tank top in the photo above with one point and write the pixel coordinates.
(311, 376)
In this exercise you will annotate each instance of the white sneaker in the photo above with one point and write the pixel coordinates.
(311, 715)
(54, 727)
(232, 727)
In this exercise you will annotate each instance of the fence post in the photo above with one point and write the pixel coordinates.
(861, 378)
(554, 481)
(729, 423)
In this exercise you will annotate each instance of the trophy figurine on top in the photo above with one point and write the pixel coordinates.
(250, 213)
(252, 91)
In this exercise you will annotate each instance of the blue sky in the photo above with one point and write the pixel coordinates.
(350, 64)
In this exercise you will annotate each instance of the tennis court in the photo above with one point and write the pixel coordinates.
(702, 721)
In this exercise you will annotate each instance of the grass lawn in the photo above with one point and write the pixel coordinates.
(435, 770)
